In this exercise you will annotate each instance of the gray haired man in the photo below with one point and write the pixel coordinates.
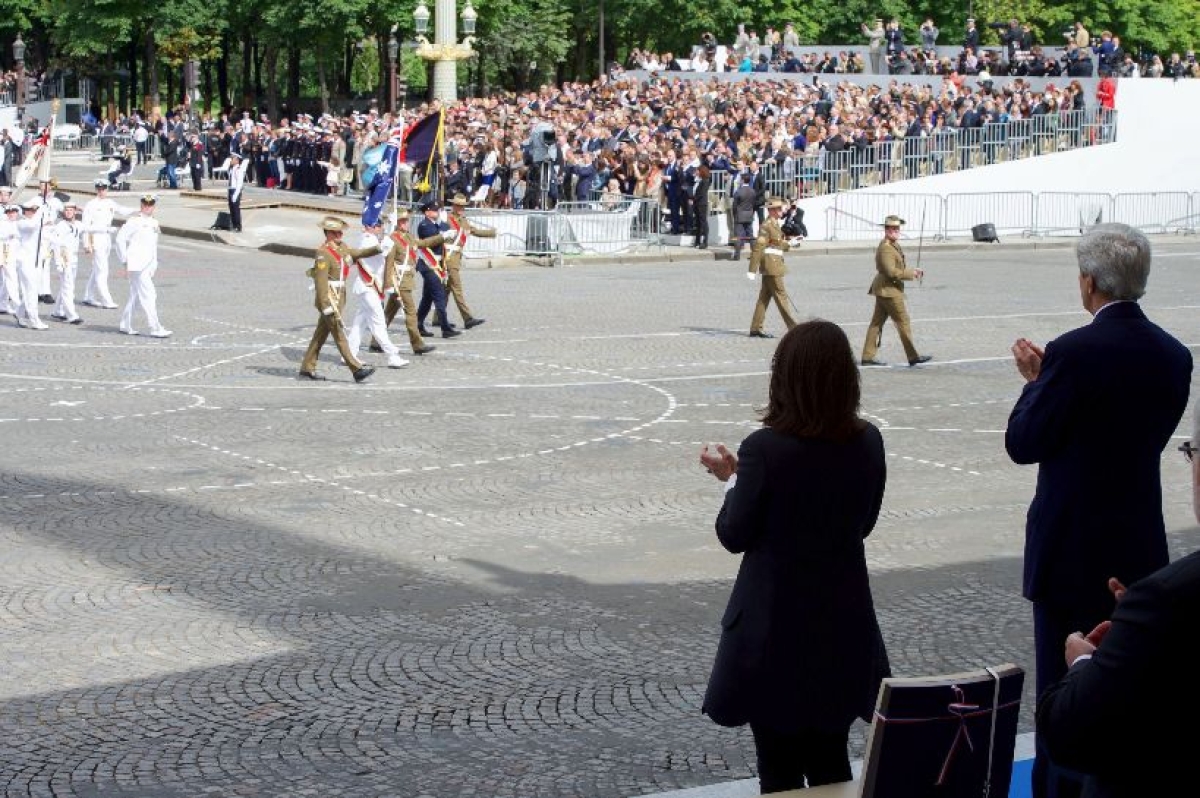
(1099, 406)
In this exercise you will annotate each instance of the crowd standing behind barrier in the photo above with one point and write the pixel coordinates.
(644, 137)
(890, 51)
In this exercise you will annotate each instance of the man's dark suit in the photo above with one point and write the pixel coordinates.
(800, 645)
(1107, 399)
(1123, 717)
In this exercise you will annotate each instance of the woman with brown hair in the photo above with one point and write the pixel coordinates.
(801, 655)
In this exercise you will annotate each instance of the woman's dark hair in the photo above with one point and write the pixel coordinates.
(815, 389)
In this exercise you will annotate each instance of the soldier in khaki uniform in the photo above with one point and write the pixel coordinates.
(398, 279)
(767, 256)
(462, 228)
(329, 271)
(888, 290)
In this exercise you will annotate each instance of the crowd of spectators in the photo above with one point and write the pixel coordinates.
(1078, 54)
(34, 86)
(612, 138)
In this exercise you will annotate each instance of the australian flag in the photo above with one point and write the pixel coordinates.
(380, 177)
(416, 144)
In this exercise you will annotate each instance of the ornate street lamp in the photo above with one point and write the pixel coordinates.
(393, 50)
(445, 49)
(18, 52)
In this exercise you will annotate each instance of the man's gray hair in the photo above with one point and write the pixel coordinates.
(1117, 257)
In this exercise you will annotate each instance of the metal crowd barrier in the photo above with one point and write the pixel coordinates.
(1012, 213)
(856, 216)
(1026, 213)
(818, 171)
(1156, 212)
(1070, 213)
(570, 228)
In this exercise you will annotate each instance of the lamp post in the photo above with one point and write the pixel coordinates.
(445, 50)
(18, 52)
(393, 50)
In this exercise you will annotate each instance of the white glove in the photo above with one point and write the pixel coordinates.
(449, 235)
(751, 275)
(327, 311)
(386, 246)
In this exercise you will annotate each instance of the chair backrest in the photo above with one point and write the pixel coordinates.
(950, 736)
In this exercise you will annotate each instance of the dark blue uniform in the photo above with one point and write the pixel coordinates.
(433, 292)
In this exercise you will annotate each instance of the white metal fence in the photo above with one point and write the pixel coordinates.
(856, 216)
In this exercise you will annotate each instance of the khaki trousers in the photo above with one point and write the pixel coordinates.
(455, 287)
(772, 288)
(893, 308)
(404, 298)
(326, 326)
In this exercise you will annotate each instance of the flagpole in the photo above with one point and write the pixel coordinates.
(44, 180)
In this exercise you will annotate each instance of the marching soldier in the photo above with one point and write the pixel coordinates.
(888, 290)
(433, 271)
(64, 245)
(98, 216)
(767, 256)
(48, 193)
(329, 271)
(29, 230)
(462, 228)
(398, 278)
(137, 247)
(10, 290)
(369, 291)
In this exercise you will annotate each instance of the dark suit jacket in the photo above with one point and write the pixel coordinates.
(800, 646)
(1124, 717)
(1096, 419)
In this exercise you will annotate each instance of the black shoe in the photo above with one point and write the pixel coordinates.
(46, 299)
(451, 333)
(308, 375)
(58, 317)
(374, 347)
(873, 362)
(469, 323)
(77, 320)
(920, 360)
(760, 334)
(362, 373)
(424, 333)
(425, 350)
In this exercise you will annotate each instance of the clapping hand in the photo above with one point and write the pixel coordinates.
(1028, 357)
(721, 463)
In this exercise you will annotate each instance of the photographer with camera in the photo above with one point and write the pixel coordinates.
(929, 35)
(1012, 37)
(1078, 36)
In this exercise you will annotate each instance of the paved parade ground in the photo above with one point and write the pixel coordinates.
(494, 572)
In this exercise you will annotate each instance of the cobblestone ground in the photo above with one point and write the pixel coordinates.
(492, 573)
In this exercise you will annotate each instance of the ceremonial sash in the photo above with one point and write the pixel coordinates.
(343, 267)
(365, 275)
(431, 259)
(460, 238)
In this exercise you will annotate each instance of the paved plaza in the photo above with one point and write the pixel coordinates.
(492, 573)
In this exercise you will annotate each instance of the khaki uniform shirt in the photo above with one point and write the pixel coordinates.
(399, 269)
(767, 253)
(330, 267)
(454, 248)
(892, 270)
